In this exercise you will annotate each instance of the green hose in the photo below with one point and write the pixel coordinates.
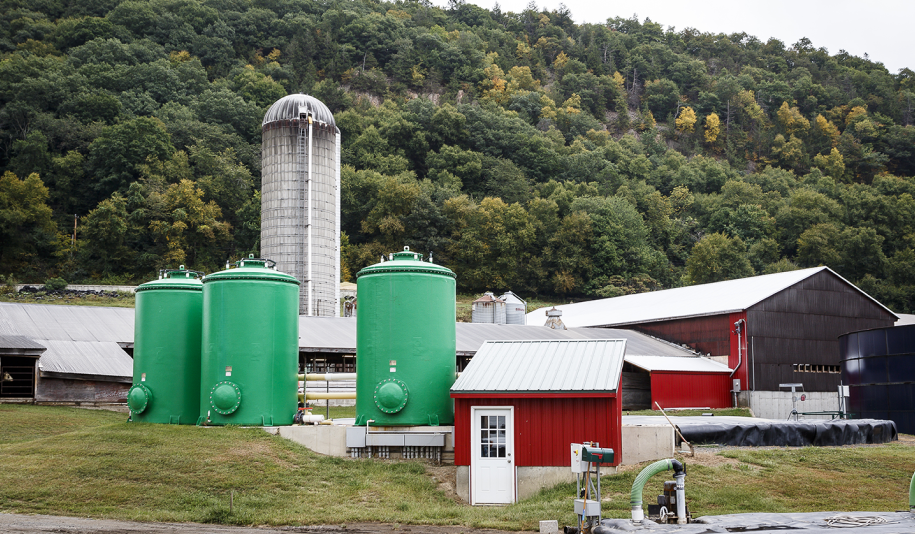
(640, 483)
(913, 492)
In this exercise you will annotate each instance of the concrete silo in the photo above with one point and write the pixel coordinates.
(300, 199)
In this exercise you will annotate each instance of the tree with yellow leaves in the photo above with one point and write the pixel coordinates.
(712, 128)
(831, 164)
(686, 120)
(824, 134)
(493, 86)
(791, 120)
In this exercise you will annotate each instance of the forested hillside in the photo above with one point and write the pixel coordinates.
(525, 151)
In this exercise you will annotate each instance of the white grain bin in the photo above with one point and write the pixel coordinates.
(300, 199)
(516, 308)
(488, 309)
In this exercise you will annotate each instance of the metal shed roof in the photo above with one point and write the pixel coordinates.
(66, 322)
(86, 358)
(19, 345)
(690, 301)
(544, 366)
(80, 340)
(677, 364)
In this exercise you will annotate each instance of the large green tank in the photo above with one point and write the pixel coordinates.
(250, 346)
(405, 342)
(167, 320)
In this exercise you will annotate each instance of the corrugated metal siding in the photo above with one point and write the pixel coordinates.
(709, 334)
(545, 427)
(544, 366)
(681, 389)
(801, 324)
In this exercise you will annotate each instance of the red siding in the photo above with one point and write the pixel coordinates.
(707, 334)
(545, 427)
(691, 389)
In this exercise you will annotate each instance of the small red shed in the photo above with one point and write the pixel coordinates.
(520, 404)
(685, 382)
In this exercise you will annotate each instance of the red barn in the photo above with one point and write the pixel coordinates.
(520, 404)
(771, 329)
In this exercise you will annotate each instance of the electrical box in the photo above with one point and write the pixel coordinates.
(578, 465)
(736, 385)
(587, 507)
(597, 455)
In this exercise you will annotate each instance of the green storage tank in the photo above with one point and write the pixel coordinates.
(167, 323)
(250, 345)
(405, 342)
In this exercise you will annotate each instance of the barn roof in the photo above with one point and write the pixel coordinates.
(80, 340)
(102, 359)
(67, 322)
(15, 345)
(686, 302)
(338, 335)
(677, 364)
(544, 366)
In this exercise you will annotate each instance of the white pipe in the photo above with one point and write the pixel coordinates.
(312, 418)
(327, 377)
(309, 200)
(679, 495)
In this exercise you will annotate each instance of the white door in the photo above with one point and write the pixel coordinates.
(492, 455)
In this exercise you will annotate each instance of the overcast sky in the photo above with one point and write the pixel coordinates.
(883, 29)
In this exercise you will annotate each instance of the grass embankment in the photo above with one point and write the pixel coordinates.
(65, 297)
(77, 462)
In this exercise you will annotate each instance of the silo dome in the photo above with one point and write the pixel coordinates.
(300, 199)
(291, 106)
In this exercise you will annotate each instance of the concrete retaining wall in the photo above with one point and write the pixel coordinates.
(778, 405)
(641, 443)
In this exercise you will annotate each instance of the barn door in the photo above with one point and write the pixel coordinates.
(492, 455)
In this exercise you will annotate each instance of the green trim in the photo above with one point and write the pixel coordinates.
(189, 287)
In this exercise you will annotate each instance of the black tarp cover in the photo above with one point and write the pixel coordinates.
(740, 431)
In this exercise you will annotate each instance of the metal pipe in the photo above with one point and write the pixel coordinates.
(327, 376)
(337, 222)
(737, 330)
(309, 200)
(327, 395)
(679, 496)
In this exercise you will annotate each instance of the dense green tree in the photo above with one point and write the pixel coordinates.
(716, 258)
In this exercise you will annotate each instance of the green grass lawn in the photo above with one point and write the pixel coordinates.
(77, 462)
